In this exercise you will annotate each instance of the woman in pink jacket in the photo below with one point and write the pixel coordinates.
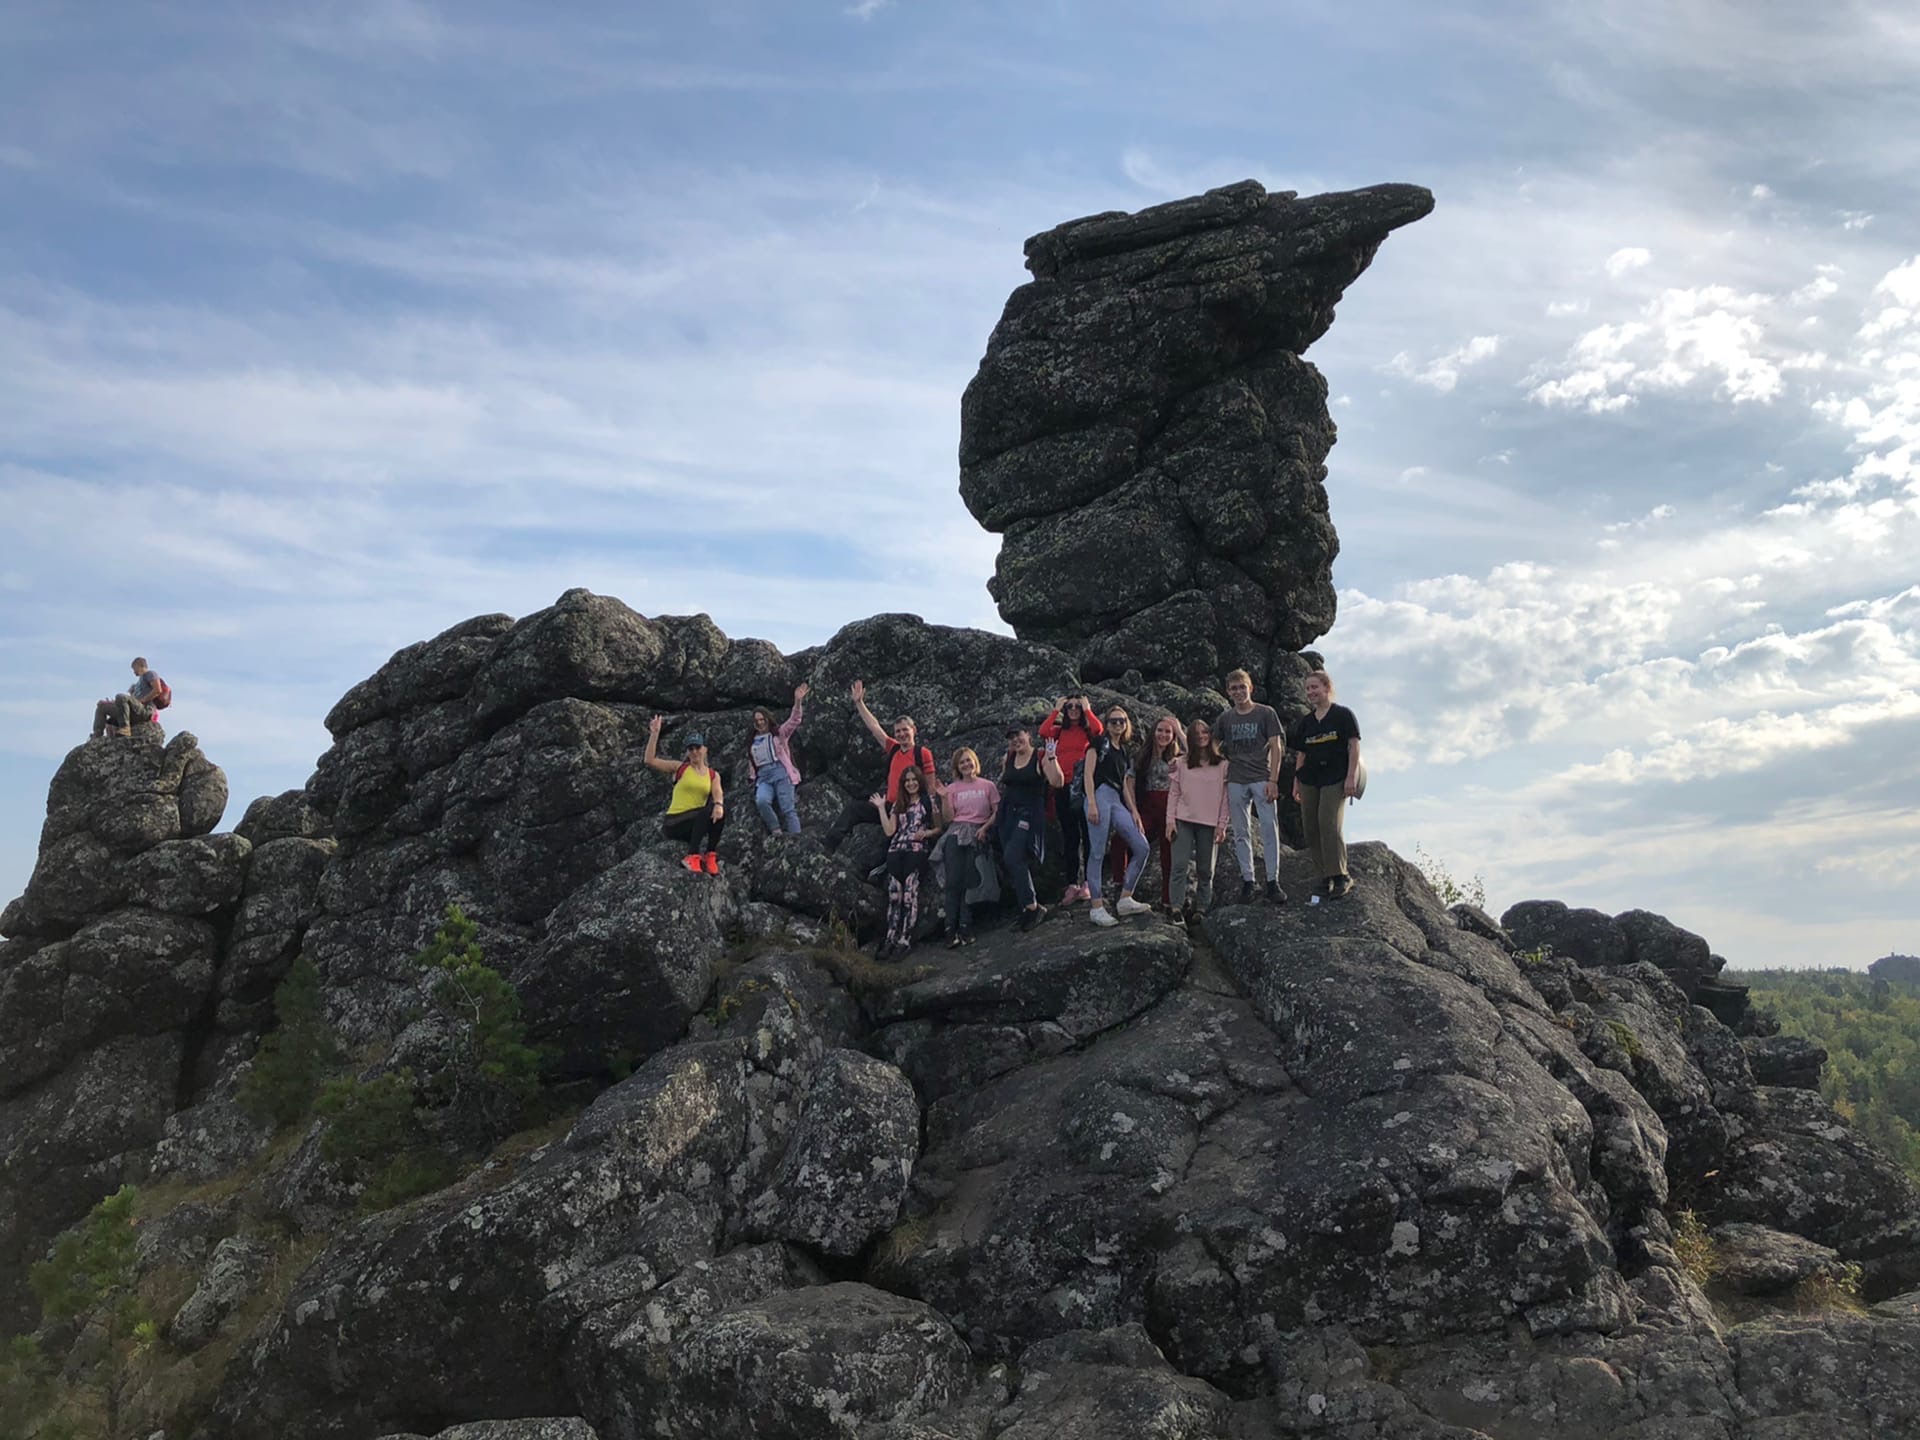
(1196, 816)
(771, 770)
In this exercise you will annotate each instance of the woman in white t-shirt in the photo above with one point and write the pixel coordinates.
(971, 803)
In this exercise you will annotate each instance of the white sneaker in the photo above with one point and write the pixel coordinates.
(1100, 915)
(1129, 906)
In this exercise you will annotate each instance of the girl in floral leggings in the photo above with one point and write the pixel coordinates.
(909, 826)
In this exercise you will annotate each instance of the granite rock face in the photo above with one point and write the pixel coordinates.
(1144, 432)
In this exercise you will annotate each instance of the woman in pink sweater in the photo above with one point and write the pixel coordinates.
(1196, 816)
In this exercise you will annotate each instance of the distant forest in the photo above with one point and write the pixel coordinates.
(1870, 1027)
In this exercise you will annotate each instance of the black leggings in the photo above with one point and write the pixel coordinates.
(698, 828)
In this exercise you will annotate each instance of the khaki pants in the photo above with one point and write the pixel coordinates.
(1323, 814)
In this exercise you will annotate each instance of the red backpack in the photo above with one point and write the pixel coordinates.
(162, 694)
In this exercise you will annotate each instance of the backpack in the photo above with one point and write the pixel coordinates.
(162, 695)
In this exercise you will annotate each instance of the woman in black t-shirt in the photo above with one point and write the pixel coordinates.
(1025, 777)
(1325, 746)
(1112, 809)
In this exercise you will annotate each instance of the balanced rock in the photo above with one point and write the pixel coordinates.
(1144, 433)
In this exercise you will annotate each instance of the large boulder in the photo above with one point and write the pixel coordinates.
(1144, 433)
(812, 1364)
(848, 1159)
(626, 961)
(111, 800)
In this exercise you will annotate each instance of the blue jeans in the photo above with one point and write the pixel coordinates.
(1023, 843)
(774, 790)
(1268, 813)
(1114, 817)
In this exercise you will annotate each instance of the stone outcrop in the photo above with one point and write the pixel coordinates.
(107, 979)
(1145, 434)
(1378, 1169)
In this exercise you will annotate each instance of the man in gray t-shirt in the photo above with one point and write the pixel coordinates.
(1254, 742)
(131, 706)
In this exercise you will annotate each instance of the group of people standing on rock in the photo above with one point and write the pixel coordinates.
(1117, 796)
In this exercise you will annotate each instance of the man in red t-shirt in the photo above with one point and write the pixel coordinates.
(902, 749)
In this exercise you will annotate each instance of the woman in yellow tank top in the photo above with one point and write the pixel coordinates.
(698, 808)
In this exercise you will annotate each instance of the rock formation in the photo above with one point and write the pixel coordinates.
(1373, 1170)
(1146, 436)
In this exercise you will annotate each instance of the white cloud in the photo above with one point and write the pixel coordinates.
(1760, 192)
(1624, 262)
(1855, 219)
(867, 9)
(1443, 372)
(1559, 308)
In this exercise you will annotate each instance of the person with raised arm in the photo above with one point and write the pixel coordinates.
(1253, 740)
(1026, 775)
(909, 823)
(770, 767)
(1107, 779)
(1325, 745)
(1068, 731)
(901, 749)
(697, 811)
(1196, 818)
(969, 803)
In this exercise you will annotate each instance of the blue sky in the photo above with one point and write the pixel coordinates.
(323, 327)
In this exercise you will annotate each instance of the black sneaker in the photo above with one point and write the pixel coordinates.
(1178, 917)
(1035, 916)
(1246, 890)
(1275, 893)
(1340, 887)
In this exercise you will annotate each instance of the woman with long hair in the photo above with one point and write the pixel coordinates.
(1107, 780)
(697, 810)
(1153, 764)
(1325, 743)
(909, 824)
(969, 802)
(1196, 816)
(1025, 778)
(1068, 731)
(770, 767)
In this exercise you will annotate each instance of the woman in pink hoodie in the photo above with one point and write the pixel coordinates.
(1196, 816)
(770, 767)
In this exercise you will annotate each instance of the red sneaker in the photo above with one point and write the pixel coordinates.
(713, 862)
(692, 863)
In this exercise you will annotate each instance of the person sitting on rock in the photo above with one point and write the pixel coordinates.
(902, 750)
(1252, 738)
(697, 811)
(1196, 817)
(1026, 775)
(1325, 745)
(1107, 779)
(770, 767)
(969, 803)
(1068, 731)
(910, 824)
(132, 706)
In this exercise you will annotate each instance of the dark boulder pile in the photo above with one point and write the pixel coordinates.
(1145, 434)
(1376, 1169)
